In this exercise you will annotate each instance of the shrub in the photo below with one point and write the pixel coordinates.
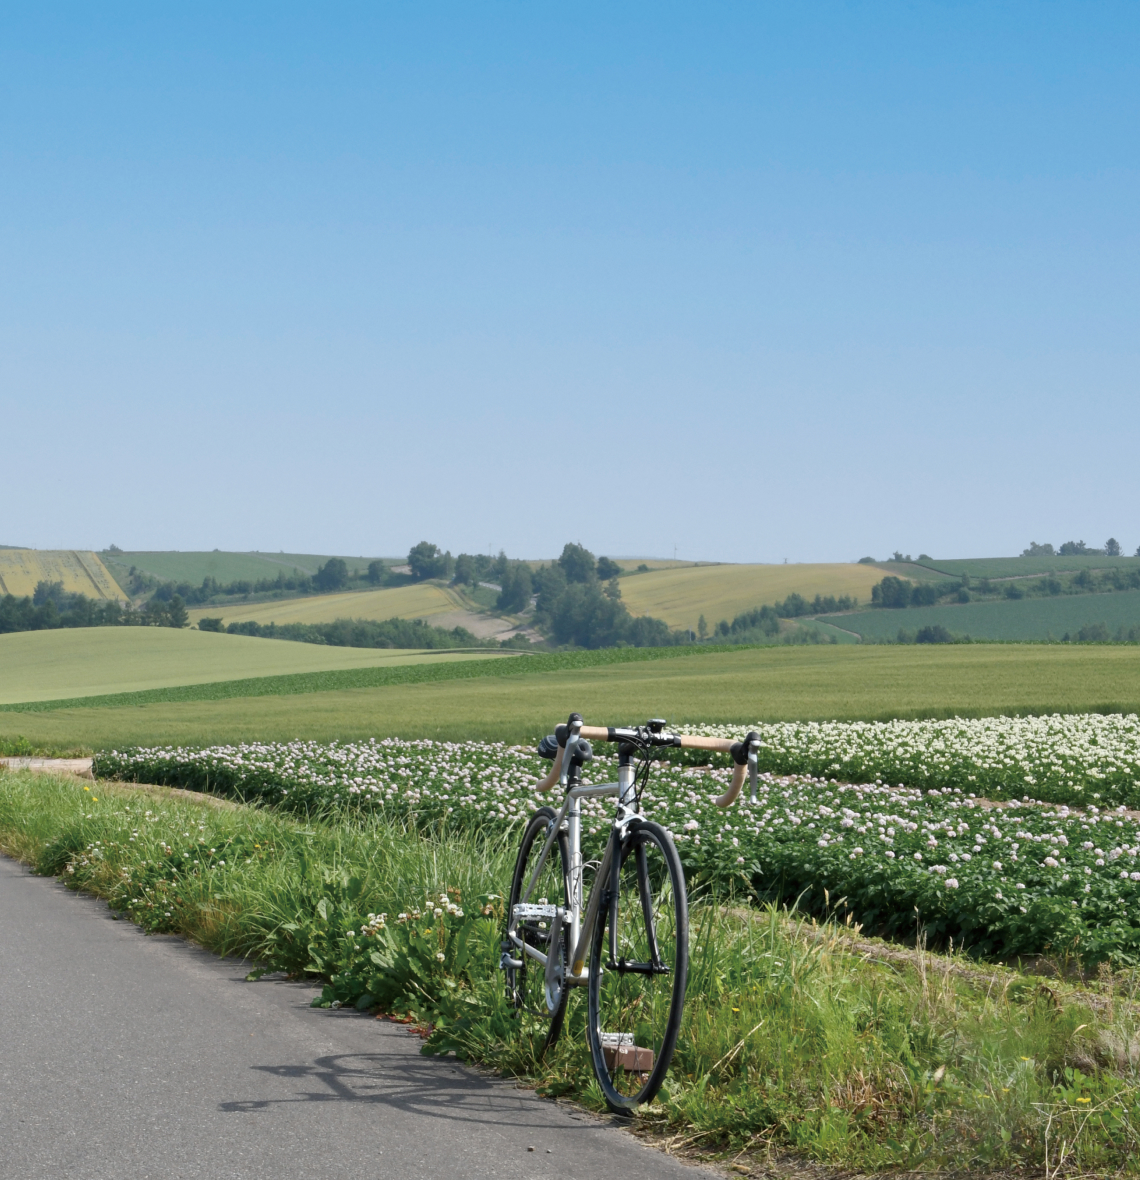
(210, 625)
(935, 633)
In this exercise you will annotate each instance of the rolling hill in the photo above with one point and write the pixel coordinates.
(93, 661)
(681, 595)
(421, 601)
(192, 567)
(80, 571)
(1023, 619)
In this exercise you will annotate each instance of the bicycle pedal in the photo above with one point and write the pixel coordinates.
(526, 909)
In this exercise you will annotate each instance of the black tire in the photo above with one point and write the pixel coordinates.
(635, 1001)
(526, 985)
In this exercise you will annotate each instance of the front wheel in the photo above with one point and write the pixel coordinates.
(639, 965)
(528, 989)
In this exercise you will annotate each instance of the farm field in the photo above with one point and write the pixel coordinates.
(1026, 567)
(81, 572)
(889, 849)
(681, 596)
(92, 661)
(1023, 618)
(420, 601)
(754, 684)
(225, 567)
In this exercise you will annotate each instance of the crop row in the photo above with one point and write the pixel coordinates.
(1075, 758)
(1022, 879)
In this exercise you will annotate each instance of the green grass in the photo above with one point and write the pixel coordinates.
(796, 1037)
(1020, 619)
(1024, 567)
(225, 567)
(74, 663)
(515, 701)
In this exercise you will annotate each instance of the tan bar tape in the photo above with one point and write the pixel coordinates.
(729, 797)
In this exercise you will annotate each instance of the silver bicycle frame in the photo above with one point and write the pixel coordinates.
(570, 816)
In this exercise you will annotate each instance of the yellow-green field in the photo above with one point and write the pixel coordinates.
(421, 601)
(91, 661)
(681, 596)
(751, 685)
(81, 572)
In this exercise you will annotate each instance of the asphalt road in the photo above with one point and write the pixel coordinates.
(135, 1057)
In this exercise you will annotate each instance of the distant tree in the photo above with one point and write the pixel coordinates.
(891, 592)
(1112, 547)
(1093, 633)
(465, 573)
(897, 556)
(210, 625)
(46, 592)
(644, 569)
(607, 569)
(377, 572)
(333, 575)
(1013, 590)
(1077, 549)
(1036, 550)
(925, 557)
(116, 549)
(702, 627)
(154, 613)
(866, 561)
(612, 589)
(578, 564)
(428, 561)
(515, 594)
(176, 615)
(933, 634)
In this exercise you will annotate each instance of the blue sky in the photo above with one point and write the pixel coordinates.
(759, 281)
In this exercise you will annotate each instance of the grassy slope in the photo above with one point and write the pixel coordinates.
(1024, 567)
(226, 567)
(867, 1057)
(91, 661)
(80, 572)
(400, 602)
(681, 596)
(1025, 618)
(749, 685)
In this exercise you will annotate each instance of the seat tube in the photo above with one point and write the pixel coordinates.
(574, 825)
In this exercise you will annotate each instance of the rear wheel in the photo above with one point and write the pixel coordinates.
(639, 964)
(527, 986)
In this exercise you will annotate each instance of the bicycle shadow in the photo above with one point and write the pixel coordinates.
(413, 1085)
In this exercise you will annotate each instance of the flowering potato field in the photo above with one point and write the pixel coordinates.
(1026, 879)
(1075, 758)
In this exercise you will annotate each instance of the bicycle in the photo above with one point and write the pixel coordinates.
(635, 931)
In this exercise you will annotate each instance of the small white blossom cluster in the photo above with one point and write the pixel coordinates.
(1071, 758)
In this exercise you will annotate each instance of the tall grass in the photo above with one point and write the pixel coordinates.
(795, 1038)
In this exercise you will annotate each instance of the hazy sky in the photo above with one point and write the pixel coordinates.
(761, 281)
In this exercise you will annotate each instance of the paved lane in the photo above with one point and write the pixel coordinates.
(127, 1057)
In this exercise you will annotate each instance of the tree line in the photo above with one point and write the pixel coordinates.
(51, 607)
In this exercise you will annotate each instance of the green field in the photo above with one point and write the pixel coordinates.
(93, 661)
(753, 684)
(1025, 567)
(681, 596)
(419, 601)
(1023, 619)
(225, 567)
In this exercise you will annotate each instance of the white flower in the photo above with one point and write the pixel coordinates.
(997, 865)
(1052, 863)
(439, 956)
(951, 882)
(918, 856)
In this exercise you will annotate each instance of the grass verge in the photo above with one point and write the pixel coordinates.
(796, 1039)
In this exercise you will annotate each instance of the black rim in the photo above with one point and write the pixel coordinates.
(639, 969)
(526, 985)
